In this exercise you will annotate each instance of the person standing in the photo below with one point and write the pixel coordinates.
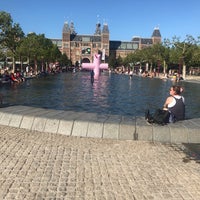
(92, 76)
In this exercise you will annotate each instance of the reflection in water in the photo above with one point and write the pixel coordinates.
(111, 94)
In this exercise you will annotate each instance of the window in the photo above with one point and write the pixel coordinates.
(135, 46)
(85, 44)
(65, 45)
(86, 50)
(86, 39)
(129, 46)
(123, 46)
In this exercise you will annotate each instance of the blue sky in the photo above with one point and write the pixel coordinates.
(125, 18)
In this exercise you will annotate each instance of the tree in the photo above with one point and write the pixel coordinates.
(38, 50)
(182, 52)
(160, 56)
(64, 61)
(112, 62)
(195, 58)
(10, 34)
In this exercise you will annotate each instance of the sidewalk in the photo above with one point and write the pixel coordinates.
(41, 165)
(192, 79)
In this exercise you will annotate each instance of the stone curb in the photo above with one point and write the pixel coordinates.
(83, 124)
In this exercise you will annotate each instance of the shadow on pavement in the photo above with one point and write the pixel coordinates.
(191, 151)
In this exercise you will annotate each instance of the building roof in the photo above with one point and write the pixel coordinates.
(85, 38)
(136, 39)
(105, 28)
(69, 28)
(66, 28)
(119, 45)
(98, 29)
(156, 32)
(146, 41)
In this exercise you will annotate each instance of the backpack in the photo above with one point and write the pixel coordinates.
(159, 117)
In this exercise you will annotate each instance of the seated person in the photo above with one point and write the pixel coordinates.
(173, 110)
(14, 78)
(175, 104)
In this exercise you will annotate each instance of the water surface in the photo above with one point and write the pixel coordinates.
(111, 94)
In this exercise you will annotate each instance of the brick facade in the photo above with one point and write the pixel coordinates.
(81, 48)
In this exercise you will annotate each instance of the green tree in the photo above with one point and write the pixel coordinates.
(112, 62)
(182, 51)
(10, 34)
(195, 58)
(159, 55)
(39, 51)
(64, 61)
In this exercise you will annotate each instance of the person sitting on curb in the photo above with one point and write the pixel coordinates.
(175, 104)
(173, 109)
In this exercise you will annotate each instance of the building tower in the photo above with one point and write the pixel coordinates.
(98, 29)
(105, 41)
(66, 39)
(156, 36)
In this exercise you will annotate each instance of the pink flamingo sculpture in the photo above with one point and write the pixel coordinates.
(96, 66)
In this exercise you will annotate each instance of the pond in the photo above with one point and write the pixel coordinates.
(110, 94)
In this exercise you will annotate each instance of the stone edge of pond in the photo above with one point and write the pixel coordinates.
(83, 124)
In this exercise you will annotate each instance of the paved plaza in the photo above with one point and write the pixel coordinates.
(41, 165)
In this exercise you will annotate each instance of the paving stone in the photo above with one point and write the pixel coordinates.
(41, 165)
(47, 158)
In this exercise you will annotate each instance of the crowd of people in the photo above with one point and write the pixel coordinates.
(19, 76)
(11, 77)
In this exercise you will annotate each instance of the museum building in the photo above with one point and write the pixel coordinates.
(81, 48)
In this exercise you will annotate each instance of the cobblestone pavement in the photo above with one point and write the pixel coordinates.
(36, 165)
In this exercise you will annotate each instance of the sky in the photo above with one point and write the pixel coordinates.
(125, 18)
